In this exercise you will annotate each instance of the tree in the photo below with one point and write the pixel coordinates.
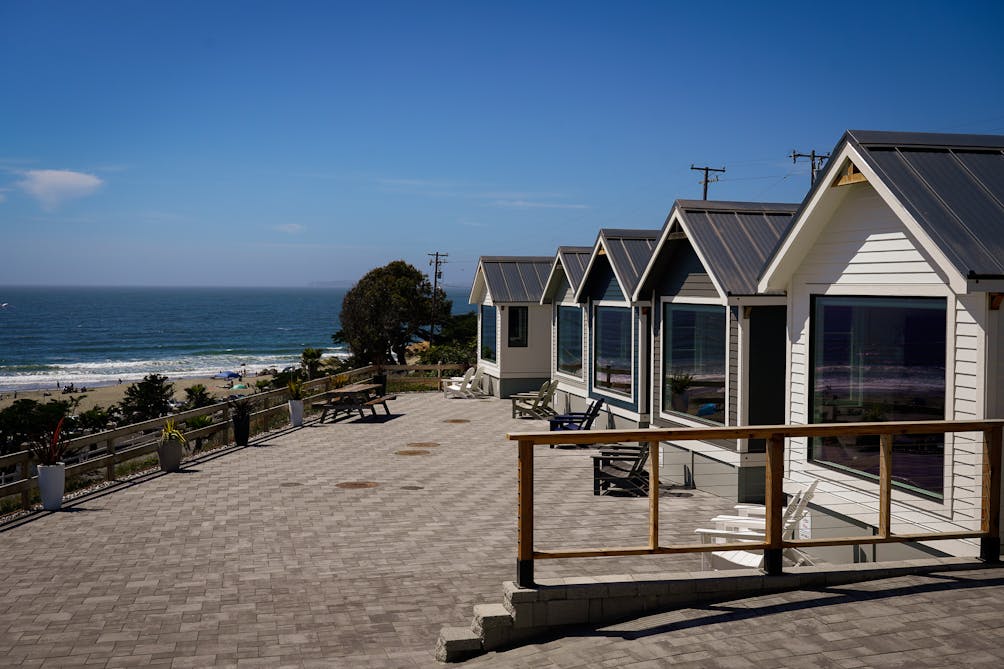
(388, 309)
(148, 398)
(456, 343)
(310, 360)
(25, 419)
(197, 396)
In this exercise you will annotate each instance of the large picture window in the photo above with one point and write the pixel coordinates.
(570, 340)
(694, 355)
(488, 336)
(612, 349)
(880, 359)
(519, 327)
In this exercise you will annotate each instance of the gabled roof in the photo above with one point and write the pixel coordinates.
(628, 252)
(732, 240)
(572, 262)
(510, 278)
(951, 186)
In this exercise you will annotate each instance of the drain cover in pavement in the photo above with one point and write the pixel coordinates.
(423, 444)
(289, 484)
(456, 421)
(412, 487)
(353, 485)
(413, 452)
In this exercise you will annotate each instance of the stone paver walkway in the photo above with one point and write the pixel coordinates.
(256, 558)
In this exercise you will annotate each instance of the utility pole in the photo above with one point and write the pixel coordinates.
(438, 259)
(816, 160)
(705, 181)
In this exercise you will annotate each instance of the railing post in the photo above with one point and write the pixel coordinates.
(885, 484)
(990, 516)
(110, 467)
(25, 468)
(653, 494)
(524, 518)
(772, 555)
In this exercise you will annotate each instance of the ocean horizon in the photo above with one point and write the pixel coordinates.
(92, 336)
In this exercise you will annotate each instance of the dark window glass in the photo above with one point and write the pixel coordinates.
(570, 340)
(488, 344)
(519, 318)
(694, 354)
(612, 351)
(880, 359)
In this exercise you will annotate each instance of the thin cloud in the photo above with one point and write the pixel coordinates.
(53, 187)
(527, 204)
(290, 228)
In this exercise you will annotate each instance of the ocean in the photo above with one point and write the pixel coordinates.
(98, 336)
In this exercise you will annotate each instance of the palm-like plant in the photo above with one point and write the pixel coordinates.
(197, 396)
(170, 432)
(48, 446)
(310, 360)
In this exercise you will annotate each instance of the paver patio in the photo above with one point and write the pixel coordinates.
(255, 558)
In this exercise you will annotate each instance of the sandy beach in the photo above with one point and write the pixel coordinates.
(108, 395)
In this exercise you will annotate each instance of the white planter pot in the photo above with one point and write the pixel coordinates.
(51, 483)
(296, 412)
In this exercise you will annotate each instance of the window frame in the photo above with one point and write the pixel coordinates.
(675, 416)
(946, 494)
(592, 354)
(481, 333)
(521, 339)
(557, 341)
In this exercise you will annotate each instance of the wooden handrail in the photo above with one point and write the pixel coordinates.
(774, 542)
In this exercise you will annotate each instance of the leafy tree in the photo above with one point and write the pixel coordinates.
(148, 398)
(197, 396)
(385, 311)
(96, 418)
(310, 361)
(25, 420)
(456, 343)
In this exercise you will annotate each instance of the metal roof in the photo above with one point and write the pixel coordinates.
(574, 259)
(628, 252)
(515, 278)
(953, 185)
(734, 239)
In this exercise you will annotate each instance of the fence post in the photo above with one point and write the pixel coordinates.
(25, 468)
(772, 555)
(885, 484)
(524, 518)
(653, 494)
(990, 516)
(110, 467)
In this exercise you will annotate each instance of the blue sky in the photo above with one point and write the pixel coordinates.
(254, 143)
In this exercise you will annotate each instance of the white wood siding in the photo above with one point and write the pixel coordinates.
(732, 363)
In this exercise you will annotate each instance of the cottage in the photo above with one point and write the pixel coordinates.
(717, 347)
(894, 275)
(568, 326)
(617, 362)
(514, 334)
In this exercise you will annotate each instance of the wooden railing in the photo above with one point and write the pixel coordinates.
(774, 542)
(113, 447)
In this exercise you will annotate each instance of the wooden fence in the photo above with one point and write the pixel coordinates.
(774, 542)
(105, 450)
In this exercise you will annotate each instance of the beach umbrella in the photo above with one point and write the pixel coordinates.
(227, 375)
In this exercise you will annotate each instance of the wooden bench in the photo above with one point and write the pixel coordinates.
(377, 401)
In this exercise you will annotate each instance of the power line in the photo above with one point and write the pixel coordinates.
(438, 259)
(705, 181)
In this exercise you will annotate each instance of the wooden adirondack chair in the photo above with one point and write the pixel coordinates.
(460, 388)
(623, 468)
(535, 405)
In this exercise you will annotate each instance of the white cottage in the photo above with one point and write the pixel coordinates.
(514, 329)
(568, 326)
(717, 347)
(894, 275)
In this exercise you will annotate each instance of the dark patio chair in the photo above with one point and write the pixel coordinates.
(622, 468)
(576, 420)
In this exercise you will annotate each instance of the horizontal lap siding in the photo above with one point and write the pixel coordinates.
(733, 366)
(967, 451)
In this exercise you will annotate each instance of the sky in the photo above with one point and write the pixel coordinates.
(287, 143)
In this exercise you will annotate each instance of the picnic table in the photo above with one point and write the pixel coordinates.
(354, 397)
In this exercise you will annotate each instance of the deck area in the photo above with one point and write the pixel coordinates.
(255, 557)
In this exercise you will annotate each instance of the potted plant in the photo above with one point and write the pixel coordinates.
(295, 387)
(678, 385)
(49, 448)
(171, 448)
(240, 414)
